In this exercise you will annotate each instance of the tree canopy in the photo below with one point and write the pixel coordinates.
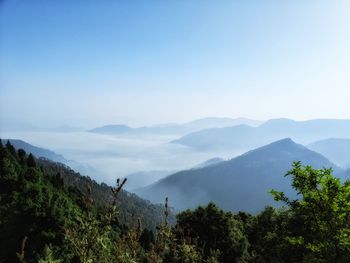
(46, 218)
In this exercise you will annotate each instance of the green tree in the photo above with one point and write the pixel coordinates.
(31, 208)
(267, 232)
(322, 212)
(212, 229)
(31, 161)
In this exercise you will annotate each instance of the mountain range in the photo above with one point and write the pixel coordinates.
(192, 126)
(247, 137)
(144, 178)
(208, 163)
(241, 183)
(335, 149)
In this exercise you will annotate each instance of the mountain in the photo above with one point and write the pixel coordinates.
(214, 122)
(247, 137)
(184, 128)
(37, 151)
(131, 206)
(112, 129)
(208, 163)
(335, 149)
(48, 154)
(241, 183)
(144, 178)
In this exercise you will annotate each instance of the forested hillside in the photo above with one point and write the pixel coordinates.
(40, 193)
(131, 206)
(50, 155)
(47, 216)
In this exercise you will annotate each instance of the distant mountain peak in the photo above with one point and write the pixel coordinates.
(283, 146)
(240, 183)
(115, 126)
(184, 128)
(335, 149)
(112, 128)
(277, 122)
(283, 142)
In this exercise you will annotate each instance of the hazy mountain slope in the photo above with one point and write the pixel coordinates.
(238, 184)
(244, 136)
(230, 137)
(192, 126)
(112, 129)
(335, 149)
(131, 206)
(212, 122)
(144, 178)
(37, 151)
(48, 154)
(207, 163)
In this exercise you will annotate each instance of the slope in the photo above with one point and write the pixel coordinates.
(335, 149)
(195, 125)
(39, 152)
(247, 137)
(241, 183)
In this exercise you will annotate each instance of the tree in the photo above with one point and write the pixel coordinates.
(323, 213)
(212, 229)
(31, 209)
(31, 161)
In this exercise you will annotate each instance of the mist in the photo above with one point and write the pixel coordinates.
(113, 157)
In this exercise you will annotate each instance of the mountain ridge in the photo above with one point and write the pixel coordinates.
(40, 152)
(247, 137)
(335, 149)
(241, 183)
(195, 125)
(131, 206)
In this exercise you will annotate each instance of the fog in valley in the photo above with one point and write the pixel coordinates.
(108, 157)
(174, 131)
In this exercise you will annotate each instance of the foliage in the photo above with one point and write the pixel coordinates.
(323, 212)
(30, 206)
(131, 207)
(49, 214)
(213, 229)
(48, 257)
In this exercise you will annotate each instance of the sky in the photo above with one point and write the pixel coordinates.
(89, 63)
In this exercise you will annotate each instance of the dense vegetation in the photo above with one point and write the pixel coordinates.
(131, 207)
(44, 217)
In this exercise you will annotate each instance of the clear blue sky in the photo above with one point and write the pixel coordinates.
(96, 62)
